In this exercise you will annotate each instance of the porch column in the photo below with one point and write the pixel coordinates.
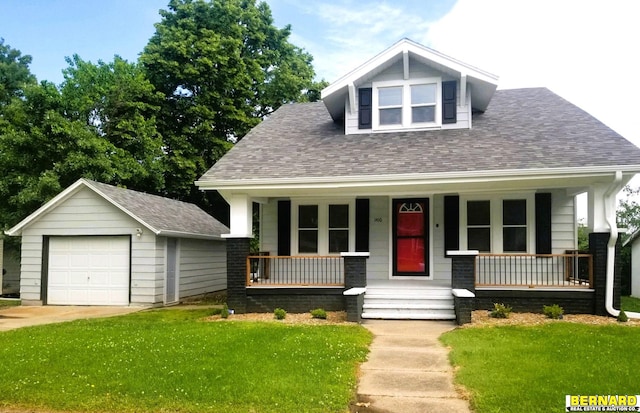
(463, 283)
(237, 252)
(355, 282)
(240, 213)
(598, 248)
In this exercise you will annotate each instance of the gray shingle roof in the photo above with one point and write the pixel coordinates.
(521, 129)
(163, 214)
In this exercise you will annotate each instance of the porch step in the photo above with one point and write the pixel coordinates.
(408, 302)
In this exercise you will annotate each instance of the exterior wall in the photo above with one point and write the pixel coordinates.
(522, 300)
(635, 269)
(396, 72)
(202, 266)
(441, 264)
(294, 300)
(563, 222)
(379, 243)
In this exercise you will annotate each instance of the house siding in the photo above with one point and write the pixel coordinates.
(441, 264)
(269, 227)
(396, 72)
(202, 267)
(563, 222)
(379, 234)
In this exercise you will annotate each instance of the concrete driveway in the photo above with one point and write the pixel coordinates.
(24, 316)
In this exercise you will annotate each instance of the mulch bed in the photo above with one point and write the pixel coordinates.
(481, 318)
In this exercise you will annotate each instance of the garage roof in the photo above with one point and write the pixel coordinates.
(162, 216)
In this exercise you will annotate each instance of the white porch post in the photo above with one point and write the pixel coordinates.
(597, 214)
(240, 216)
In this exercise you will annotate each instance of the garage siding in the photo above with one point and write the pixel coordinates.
(86, 213)
(202, 266)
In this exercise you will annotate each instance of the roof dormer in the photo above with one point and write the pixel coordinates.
(409, 87)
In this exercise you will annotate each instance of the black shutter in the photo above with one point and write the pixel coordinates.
(284, 228)
(449, 106)
(362, 225)
(451, 223)
(543, 223)
(365, 106)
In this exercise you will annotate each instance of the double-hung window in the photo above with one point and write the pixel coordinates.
(323, 228)
(498, 224)
(406, 104)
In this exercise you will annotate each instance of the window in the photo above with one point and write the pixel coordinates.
(514, 225)
(308, 229)
(498, 224)
(323, 228)
(408, 104)
(479, 225)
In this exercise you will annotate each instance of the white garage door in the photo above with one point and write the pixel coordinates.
(88, 270)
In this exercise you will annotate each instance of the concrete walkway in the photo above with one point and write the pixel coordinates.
(408, 370)
(24, 316)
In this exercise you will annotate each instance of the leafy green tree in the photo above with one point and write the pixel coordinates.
(14, 73)
(118, 103)
(628, 211)
(222, 66)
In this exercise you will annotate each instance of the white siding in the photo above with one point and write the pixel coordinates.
(202, 266)
(441, 265)
(416, 70)
(563, 222)
(379, 232)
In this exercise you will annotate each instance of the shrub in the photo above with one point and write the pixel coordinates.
(279, 314)
(500, 311)
(553, 311)
(622, 317)
(224, 313)
(319, 313)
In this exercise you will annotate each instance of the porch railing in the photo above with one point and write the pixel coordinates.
(573, 270)
(265, 270)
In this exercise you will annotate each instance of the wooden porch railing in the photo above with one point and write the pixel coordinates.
(574, 270)
(299, 270)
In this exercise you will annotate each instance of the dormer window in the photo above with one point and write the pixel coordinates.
(410, 104)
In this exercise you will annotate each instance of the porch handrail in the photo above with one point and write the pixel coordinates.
(571, 270)
(296, 270)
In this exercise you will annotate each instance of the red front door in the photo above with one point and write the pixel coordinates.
(411, 237)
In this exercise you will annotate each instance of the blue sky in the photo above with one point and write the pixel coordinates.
(584, 50)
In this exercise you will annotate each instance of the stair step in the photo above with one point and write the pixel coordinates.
(414, 306)
(408, 316)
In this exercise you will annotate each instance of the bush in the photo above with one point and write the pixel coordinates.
(279, 314)
(622, 317)
(500, 311)
(553, 311)
(224, 313)
(319, 313)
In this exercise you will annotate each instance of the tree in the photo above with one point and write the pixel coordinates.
(628, 211)
(222, 67)
(118, 103)
(14, 73)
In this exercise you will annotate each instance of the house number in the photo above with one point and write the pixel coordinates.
(377, 220)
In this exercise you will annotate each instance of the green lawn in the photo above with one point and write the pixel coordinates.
(171, 361)
(532, 368)
(8, 303)
(631, 304)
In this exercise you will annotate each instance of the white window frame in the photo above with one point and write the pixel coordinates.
(323, 224)
(406, 104)
(496, 207)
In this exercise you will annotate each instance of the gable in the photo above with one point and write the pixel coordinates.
(409, 60)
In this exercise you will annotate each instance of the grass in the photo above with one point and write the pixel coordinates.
(533, 368)
(170, 361)
(8, 303)
(631, 304)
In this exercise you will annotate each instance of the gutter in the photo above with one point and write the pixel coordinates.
(610, 213)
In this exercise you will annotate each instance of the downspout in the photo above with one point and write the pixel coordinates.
(610, 214)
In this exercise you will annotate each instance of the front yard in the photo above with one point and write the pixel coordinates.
(510, 368)
(172, 361)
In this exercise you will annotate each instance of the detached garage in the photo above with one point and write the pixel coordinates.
(96, 244)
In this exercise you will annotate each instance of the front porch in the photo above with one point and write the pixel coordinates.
(524, 281)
